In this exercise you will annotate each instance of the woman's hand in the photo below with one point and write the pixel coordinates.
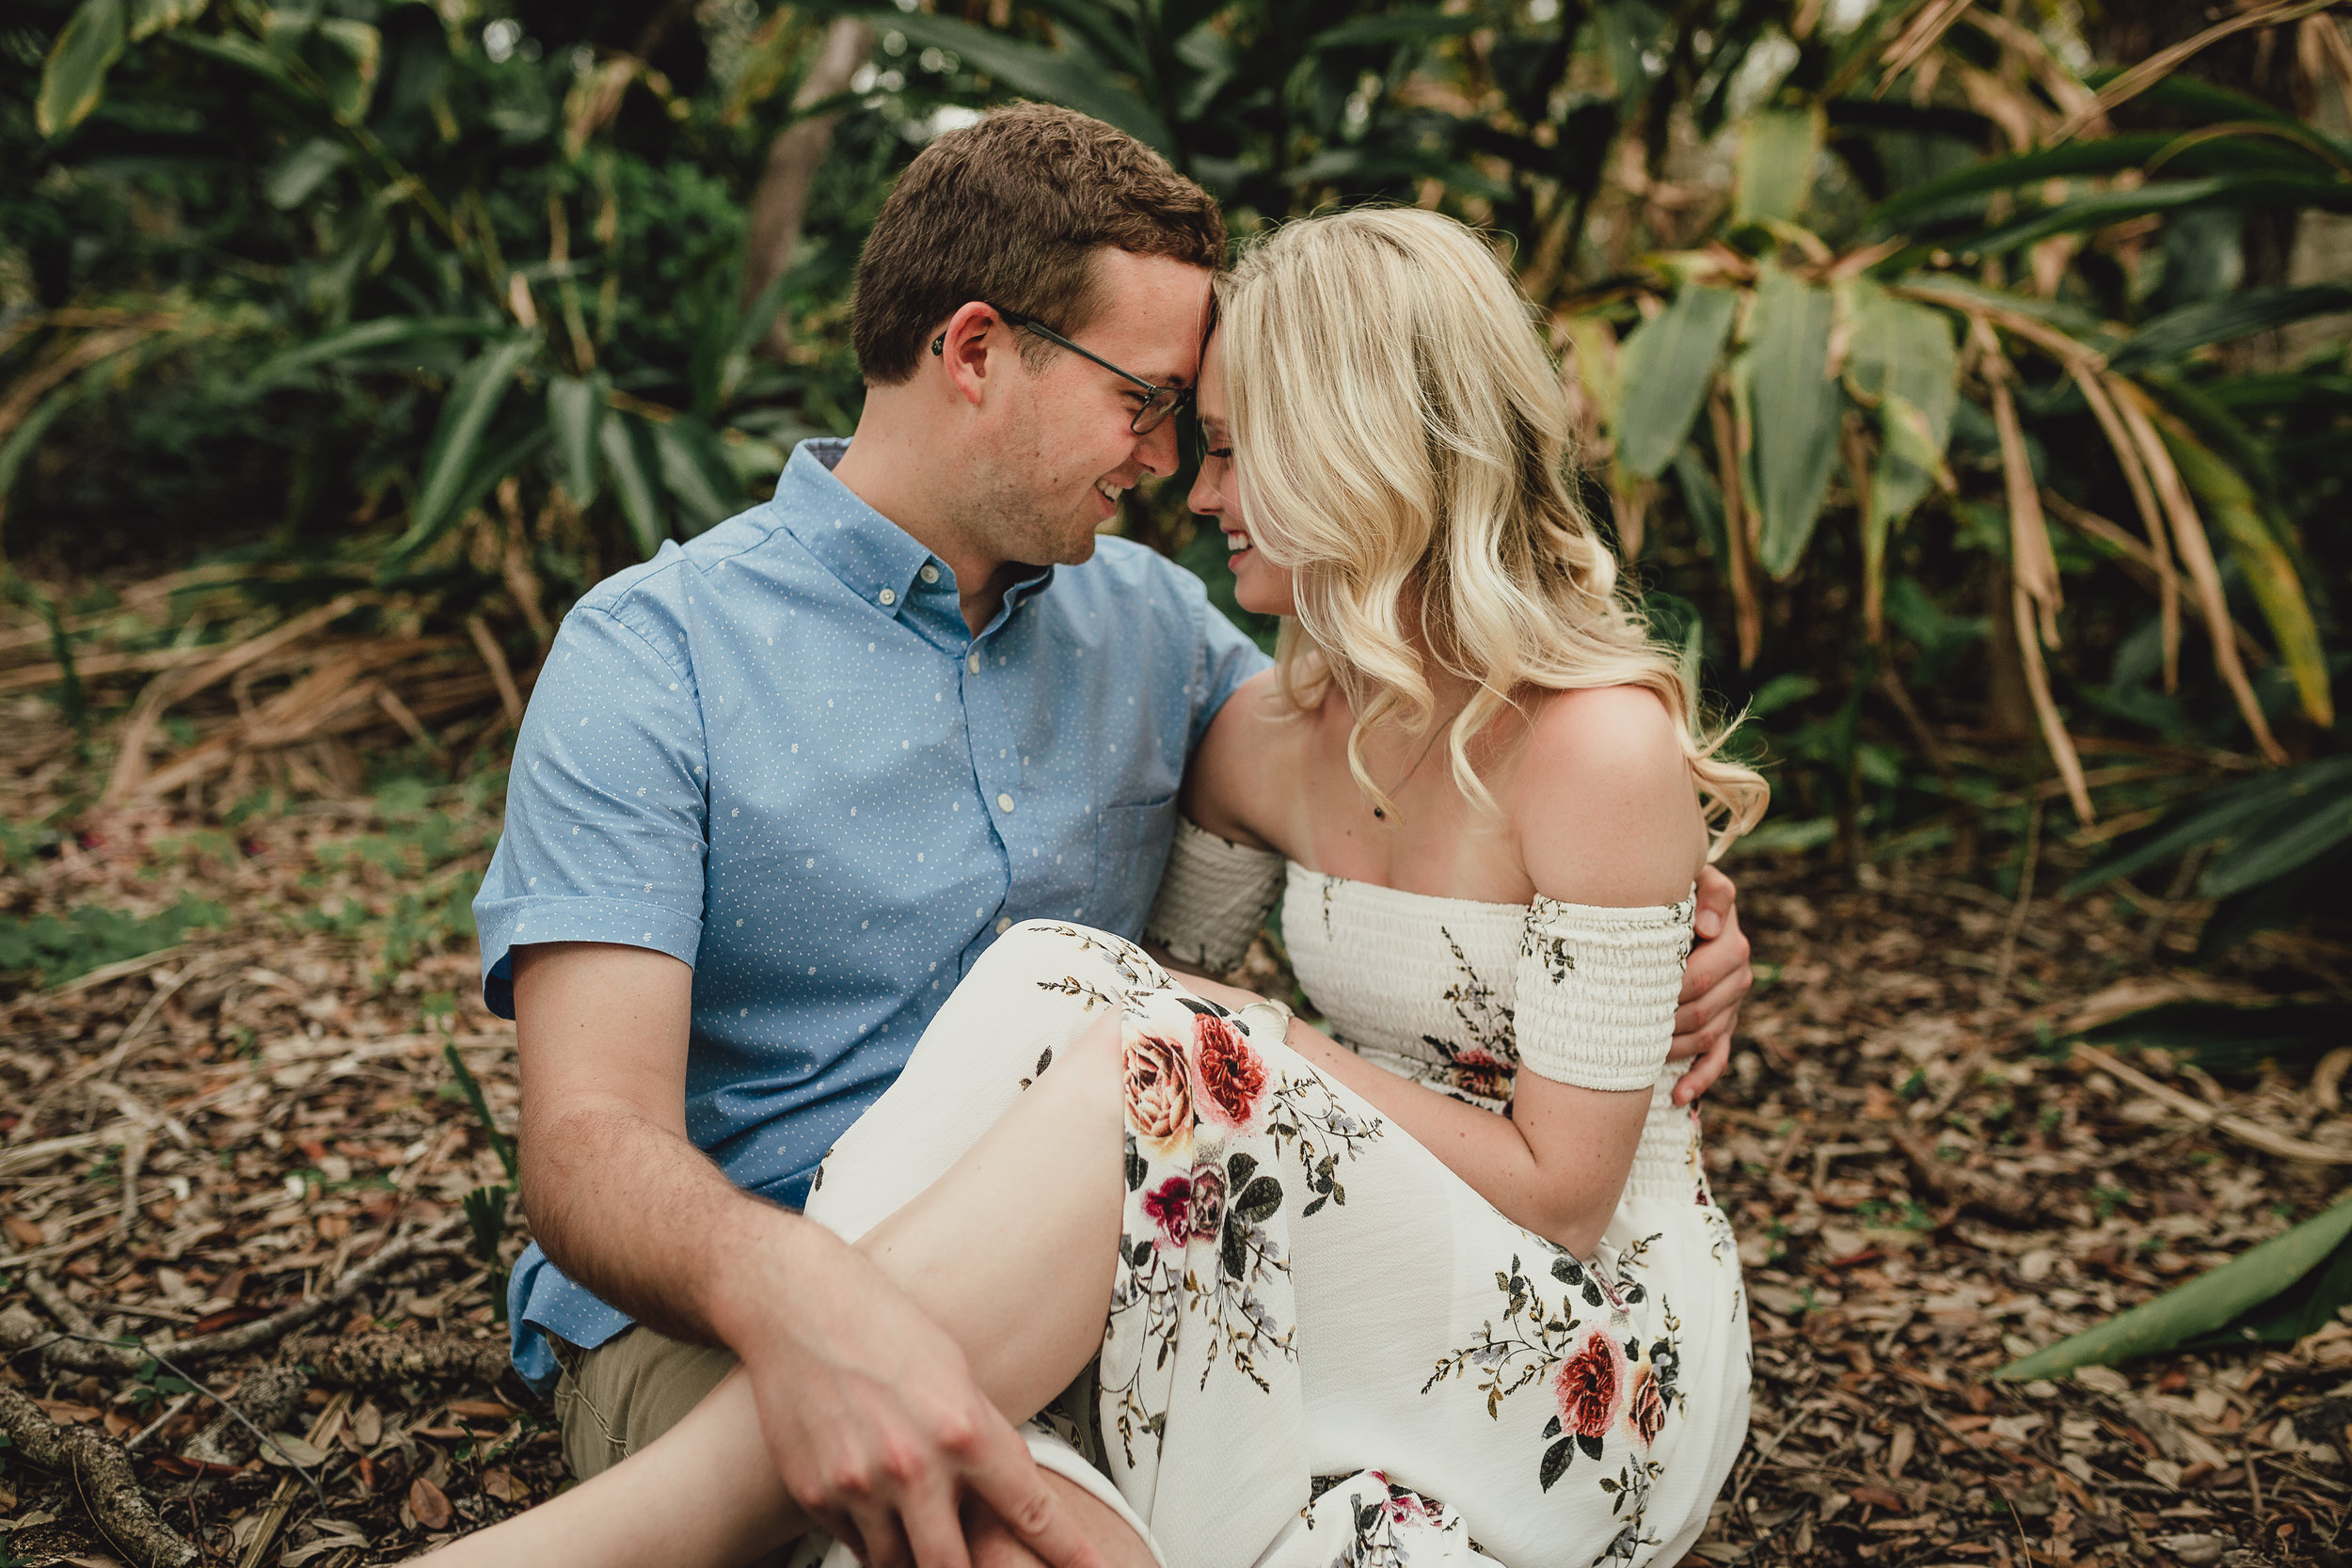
(1713, 984)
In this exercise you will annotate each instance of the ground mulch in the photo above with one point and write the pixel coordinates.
(1926, 1187)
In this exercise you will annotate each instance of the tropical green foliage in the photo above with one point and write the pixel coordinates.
(1927, 385)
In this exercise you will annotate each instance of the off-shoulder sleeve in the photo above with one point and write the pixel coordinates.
(1214, 896)
(1598, 989)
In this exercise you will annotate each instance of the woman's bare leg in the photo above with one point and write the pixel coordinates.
(1012, 1253)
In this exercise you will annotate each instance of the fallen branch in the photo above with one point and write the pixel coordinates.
(19, 1331)
(373, 1360)
(101, 1474)
(263, 1404)
(2245, 1131)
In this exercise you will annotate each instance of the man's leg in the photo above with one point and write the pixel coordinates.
(615, 1399)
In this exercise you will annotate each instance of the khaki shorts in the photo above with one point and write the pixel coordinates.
(615, 1399)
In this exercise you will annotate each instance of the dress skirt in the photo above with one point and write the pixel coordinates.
(1325, 1348)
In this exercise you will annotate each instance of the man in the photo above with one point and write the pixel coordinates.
(779, 789)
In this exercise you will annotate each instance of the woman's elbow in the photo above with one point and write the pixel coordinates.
(1576, 1224)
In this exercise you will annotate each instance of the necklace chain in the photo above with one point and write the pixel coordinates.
(1430, 746)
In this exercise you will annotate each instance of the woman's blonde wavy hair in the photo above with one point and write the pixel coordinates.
(1402, 441)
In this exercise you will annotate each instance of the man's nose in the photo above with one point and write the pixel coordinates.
(1156, 451)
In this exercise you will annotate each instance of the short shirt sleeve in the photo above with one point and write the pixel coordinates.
(1598, 990)
(1229, 659)
(605, 806)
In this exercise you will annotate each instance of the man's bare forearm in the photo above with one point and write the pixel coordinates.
(644, 1219)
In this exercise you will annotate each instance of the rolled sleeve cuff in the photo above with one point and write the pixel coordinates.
(507, 923)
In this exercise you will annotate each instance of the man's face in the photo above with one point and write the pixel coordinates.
(1058, 453)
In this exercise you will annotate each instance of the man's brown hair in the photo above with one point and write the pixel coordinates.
(1008, 210)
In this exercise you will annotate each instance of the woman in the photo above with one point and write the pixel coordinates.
(1453, 1291)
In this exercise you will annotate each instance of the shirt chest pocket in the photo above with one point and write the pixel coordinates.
(1130, 850)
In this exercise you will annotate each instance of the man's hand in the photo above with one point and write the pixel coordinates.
(876, 1426)
(1713, 983)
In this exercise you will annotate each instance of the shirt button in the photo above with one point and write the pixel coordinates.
(973, 664)
(889, 597)
(1004, 923)
(1004, 803)
(930, 573)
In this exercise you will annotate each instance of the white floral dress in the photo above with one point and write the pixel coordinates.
(1324, 1347)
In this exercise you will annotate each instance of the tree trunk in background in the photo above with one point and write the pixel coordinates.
(793, 157)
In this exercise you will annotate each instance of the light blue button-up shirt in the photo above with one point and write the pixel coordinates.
(779, 754)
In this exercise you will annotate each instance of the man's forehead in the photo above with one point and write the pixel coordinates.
(1160, 307)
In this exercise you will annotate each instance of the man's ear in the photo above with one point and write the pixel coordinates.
(973, 334)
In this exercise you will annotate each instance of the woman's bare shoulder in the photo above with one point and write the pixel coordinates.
(1605, 805)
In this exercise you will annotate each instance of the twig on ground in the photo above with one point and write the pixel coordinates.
(2205, 1115)
(1955, 1182)
(138, 1439)
(100, 1355)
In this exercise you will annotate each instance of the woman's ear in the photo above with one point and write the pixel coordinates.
(964, 345)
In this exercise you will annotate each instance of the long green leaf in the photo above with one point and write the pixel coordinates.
(575, 410)
(1665, 370)
(1796, 407)
(1900, 360)
(694, 470)
(2199, 1306)
(2103, 207)
(74, 75)
(2269, 571)
(475, 396)
(346, 54)
(1961, 194)
(2290, 837)
(1029, 68)
(364, 337)
(1403, 27)
(2219, 321)
(155, 16)
(1778, 149)
(630, 459)
(2219, 813)
(292, 178)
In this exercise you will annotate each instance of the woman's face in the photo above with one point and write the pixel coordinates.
(1259, 584)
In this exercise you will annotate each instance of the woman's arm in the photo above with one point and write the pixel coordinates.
(1605, 816)
(1232, 780)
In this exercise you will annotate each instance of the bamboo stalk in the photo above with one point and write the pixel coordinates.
(1747, 614)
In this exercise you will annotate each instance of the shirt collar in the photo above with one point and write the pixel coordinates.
(873, 556)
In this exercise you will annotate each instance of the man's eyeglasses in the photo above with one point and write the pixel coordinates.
(1158, 401)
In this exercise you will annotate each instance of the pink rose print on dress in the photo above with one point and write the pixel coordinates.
(1233, 1076)
(1208, 1202)
(1158, 1099)
(1170, 1206)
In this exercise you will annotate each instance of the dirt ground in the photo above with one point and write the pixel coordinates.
(234, 1124)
